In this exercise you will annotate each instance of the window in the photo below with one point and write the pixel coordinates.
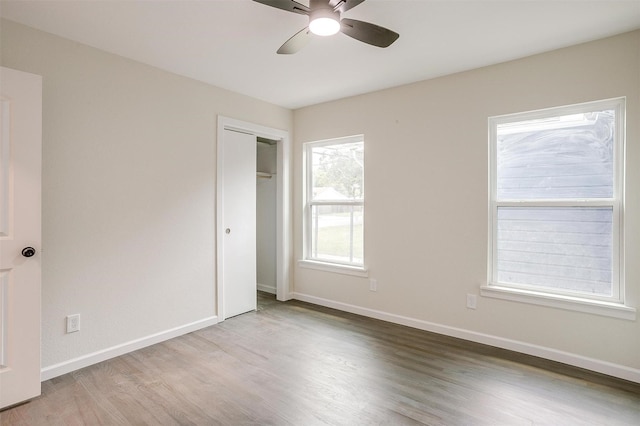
(334, 209)
(556, 202)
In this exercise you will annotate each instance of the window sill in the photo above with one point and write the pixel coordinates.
(609, 309)
(334, 267)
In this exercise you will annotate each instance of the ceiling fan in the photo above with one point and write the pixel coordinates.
(325, 19)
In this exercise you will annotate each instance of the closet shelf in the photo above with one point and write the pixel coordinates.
(264, 175)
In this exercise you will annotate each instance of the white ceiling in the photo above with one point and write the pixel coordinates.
(232, 43)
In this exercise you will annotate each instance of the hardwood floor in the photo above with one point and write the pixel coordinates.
(298, 364)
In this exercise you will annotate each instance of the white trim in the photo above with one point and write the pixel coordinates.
(578, 202)
(267, 288)
(4, 317)
(571, 303)
(283, 204)
(334, 267)
(566, 109)
(359, 202)
(339, 140)
(74, 364)
(599, 366)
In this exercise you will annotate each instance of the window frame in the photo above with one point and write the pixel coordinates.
(350, 268)
(559, 297)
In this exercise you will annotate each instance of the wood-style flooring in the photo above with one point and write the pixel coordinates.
(298, 364)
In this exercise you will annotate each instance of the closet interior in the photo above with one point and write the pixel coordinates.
(266, 197)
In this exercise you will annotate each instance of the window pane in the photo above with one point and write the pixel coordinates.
(337, 172)
(565, 248)
(569, 156)
(337, 233)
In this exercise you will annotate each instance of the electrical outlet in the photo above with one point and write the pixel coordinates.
(373, 285)
(73, 323)
(471, 301)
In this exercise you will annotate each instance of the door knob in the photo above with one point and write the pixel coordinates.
(28, 251)
(228, 230)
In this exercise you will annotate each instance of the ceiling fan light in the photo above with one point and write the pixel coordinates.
(324, 26)
(324, 22)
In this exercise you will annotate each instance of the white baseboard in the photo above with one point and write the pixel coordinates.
(93, 358)
(604, 367)
(267, 288)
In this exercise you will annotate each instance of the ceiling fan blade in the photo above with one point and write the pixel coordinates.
(344, 5)
(288, 5)
(368, 33)
(297, 42)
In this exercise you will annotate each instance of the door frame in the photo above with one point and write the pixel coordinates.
(283, 205)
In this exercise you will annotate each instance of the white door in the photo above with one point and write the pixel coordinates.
(20, 171)
(238, 222)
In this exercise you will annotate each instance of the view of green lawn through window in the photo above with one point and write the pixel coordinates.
(338, 235)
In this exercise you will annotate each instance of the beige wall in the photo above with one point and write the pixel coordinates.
(129, 155)
(129, 190)
(426, 200)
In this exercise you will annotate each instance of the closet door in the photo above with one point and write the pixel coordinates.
(239, 223)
